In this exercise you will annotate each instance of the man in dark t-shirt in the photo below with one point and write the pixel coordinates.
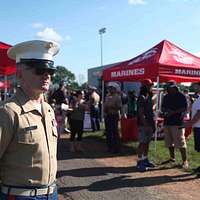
(59, 95)
(61, 99)
(146, 124)
(174, 107)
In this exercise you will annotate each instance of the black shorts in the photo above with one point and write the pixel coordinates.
(196, 139)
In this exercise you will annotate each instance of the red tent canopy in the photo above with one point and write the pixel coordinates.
(165, 60)
(7, 66)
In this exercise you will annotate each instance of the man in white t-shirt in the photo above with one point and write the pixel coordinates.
(195, 123)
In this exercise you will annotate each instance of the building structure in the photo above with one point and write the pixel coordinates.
(95, 78)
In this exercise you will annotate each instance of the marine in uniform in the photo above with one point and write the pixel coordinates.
(28, 134)
(112, 111)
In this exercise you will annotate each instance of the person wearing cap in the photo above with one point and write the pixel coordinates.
(28, 134)
(146, 124)
(173, 107)
(112, 109)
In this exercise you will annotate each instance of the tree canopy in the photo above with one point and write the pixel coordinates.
(63, 74)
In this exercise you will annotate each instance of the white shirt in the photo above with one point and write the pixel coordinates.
(195, 108)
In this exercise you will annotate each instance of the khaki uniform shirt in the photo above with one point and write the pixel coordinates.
(28, 143)
(112, 105)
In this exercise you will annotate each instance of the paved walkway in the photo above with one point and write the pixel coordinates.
(96, 174)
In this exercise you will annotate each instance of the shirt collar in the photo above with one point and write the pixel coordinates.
(26, 104)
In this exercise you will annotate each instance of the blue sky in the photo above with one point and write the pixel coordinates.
(132, 27)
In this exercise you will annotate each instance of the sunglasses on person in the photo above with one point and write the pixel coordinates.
(40, 66)
(42, 71)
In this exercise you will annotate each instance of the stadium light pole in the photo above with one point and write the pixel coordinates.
(101, 32)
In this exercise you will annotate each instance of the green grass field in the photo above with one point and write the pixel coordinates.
(162, 154)
(158, 153)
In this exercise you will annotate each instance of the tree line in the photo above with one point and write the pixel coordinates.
(63, 74)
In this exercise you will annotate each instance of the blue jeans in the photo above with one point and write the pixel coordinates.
(95, 118)
(53, 196)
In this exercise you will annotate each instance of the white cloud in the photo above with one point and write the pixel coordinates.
(37, 25)
(67, 37)
(197, 54)
(49, 34)
(137, 2)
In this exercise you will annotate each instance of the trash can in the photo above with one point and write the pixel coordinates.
(129, 129)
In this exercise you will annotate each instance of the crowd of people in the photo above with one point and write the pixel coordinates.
(70, 108)
(178, 110)
(176, 107)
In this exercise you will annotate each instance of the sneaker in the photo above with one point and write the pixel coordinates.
(185, 165)
(141, 166)
(147, 163)
(66, 130)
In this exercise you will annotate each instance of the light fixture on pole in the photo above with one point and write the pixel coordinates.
(101, 32)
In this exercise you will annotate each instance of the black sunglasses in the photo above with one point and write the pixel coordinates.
(40, 66)
(42, 71)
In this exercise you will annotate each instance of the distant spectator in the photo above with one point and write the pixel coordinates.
(76, 121)
(189, 103)
(94, 100)
(112, 108)
(124, 98)
(146, 124)
(132, 104)
(60, 94)
(61, 99)
(174, 107)
(195, 123)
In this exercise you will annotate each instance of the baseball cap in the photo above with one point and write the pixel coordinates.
(114, 84)
(147, 82)
(171, 84)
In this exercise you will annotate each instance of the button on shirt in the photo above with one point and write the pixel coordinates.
(28, 143)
